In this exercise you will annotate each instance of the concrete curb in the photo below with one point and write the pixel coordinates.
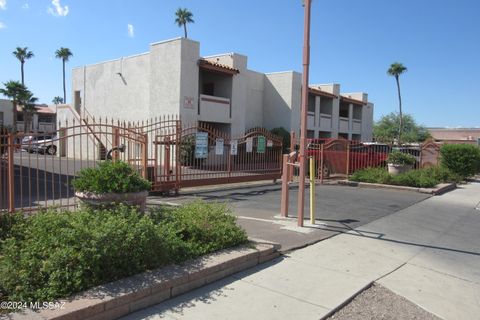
(440, 189)
(119, 298)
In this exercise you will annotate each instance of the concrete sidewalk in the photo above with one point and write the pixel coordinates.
(428, 253)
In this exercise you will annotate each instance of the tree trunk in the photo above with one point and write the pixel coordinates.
(400, 127)
(64, 90)
(21, 69)
(185, 29)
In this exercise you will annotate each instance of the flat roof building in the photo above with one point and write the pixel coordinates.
(173, 79)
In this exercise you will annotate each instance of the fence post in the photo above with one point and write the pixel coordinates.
(293, 142)
(11, 173)
(115, 143)
(285, 191)
(322, 171)
(145, 157)
(348, 158)
(312, 190)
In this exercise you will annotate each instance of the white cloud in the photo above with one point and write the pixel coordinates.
(3, 4)
(131, 30)
(26, 6)
(57, 9)
(2, 25)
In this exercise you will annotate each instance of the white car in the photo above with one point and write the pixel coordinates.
(46, 144)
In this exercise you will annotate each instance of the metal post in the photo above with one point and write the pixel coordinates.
(10, 172)
(145, 157)
(303, 117)
(322, 171)
(285, 191)
(312, 190)
(348, 158)
(115, 143)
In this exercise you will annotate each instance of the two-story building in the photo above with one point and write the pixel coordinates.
(172, 78)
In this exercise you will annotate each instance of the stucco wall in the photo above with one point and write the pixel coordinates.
(6, 107)
(254, 106)
(118, 88)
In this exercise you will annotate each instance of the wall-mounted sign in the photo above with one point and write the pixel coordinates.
(233, 147)
(249, 144)
(269, 143)
(261, 144)
(201, 145)
(219, 147)
(188, 102)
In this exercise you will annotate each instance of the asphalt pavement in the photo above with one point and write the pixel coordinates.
(426, 252)
(338, 209)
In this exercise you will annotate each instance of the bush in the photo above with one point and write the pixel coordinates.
(371, 175)
(421, 178)
(55, 254)
(400, 158)
(110, 176)
(461, 159)
(282, 132)
(204, 227)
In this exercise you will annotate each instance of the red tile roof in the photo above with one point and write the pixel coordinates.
(215, 66)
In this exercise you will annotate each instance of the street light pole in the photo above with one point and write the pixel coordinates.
(303, 112)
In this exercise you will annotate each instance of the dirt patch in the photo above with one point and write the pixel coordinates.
(379, 303)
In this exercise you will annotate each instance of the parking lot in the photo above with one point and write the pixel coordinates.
(338, 209)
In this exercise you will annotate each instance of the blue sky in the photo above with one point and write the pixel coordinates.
(353, 43)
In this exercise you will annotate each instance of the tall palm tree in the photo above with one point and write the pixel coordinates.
(65, 54)
(183, 16)
(22, 54)
(395, 70)
(28, 101)
(15, 91)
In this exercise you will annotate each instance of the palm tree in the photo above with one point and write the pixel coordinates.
(183, 16)
(65, 54)
(57, 100)
(28, 101)
(22, 54)
(395, 70)
(15, 91)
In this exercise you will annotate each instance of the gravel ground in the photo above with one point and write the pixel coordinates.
(379, 303)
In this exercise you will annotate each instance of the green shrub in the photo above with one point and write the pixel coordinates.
(420, 178)
(371, 175)
(63, 253)
(461, 159)
(55, 254)
(282, 132)
(110, 176)
(400, 158)
(204, 227)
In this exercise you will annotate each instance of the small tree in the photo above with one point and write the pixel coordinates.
(27, 101)
(15, 91)
(183, 16)
(282, 132)
(386, 130)
(57, 100)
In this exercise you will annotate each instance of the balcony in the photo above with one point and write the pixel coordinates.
(325, 122)
(311, 119)
(214, 109)
(343, 125)
(357, 126)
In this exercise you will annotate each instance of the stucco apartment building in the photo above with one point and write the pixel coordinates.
(43, 119)
(456, 135)
(172, 78)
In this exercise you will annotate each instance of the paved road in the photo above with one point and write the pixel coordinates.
(427, 253)
(341, 208)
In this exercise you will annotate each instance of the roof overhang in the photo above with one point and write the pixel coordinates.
(322, 93)
(217, 67)
(354, 101)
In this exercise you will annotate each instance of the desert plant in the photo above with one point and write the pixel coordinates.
(400, 158)
(282, 132)
(110, 176)
(461, 159)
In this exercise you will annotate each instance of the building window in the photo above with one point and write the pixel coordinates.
(344, 110)
(1, 118)
(310, 134)
(77, 101)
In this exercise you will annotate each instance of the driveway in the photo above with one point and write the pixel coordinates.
(339, 208)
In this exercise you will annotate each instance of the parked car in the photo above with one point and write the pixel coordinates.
(361, 155)
(45, 144)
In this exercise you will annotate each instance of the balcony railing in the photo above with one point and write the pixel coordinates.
(310, 119)
(325, 122)
(215, 109)
(357, 126)
(343, 124)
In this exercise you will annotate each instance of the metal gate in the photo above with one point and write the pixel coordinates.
(203, 155)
